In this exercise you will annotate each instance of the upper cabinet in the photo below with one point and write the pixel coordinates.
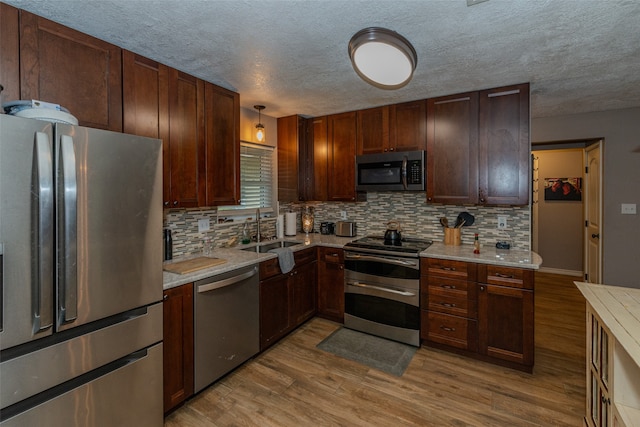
(222, 136)
(293, 163)
(452, 149)
(478, 147)
(75, 70)
(504, 148)
(199, 124)
(341, 144)
(10, 48)
(398, 127)
(373, 130)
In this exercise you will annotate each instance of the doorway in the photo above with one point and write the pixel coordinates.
(561, 234)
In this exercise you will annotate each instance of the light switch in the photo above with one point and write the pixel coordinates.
(628, 209)
(203, 225)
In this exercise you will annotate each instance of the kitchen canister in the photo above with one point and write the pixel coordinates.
(290, 225)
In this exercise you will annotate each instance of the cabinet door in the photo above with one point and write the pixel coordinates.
(504, 146)
(10, 48)
(331, 284)
(274, 309)
(222, 140)
(303, 293)
(342, 157)
(291, 179)
(177, 345)
(319, 149)
(186, 140)
(75, 70)
(505, 323)
(146, 105)
(452, 149)
(373, 130)
(408, 126)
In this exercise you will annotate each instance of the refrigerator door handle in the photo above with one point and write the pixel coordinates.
(67, 227)
(43, 237)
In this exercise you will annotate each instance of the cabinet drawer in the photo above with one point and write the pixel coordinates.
(450, 330)
(443, 301)
(269, 268)
(506, 276)
(304, 256)
(335, 255)
(449, 268)
(445, 284)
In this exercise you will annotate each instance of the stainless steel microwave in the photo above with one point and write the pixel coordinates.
(392, 171)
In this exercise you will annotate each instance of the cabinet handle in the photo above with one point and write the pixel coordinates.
(175, 203)
(446, 328)
(447, 286)
(448, 268)
(446, 304)
(166, 203)
(334, 255)
(429, 199)
(482, 288)
(342, 267)
(165, 297)
(504, 276)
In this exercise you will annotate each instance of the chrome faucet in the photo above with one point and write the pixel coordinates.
(258, 222)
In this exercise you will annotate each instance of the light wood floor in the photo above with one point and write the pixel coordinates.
(295, 384)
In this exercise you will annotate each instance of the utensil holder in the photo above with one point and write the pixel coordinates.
(452, 236)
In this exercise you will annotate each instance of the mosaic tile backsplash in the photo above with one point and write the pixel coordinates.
(417, 218)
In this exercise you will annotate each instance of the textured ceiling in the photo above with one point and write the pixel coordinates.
(291, 56)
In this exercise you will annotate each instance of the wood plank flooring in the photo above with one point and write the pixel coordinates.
(296, 384)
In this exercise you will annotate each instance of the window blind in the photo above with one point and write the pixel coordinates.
(256, 177)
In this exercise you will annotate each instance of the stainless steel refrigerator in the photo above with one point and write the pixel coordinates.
(80, 276)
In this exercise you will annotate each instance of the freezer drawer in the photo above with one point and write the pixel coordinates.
(28, 374)
(104, 401)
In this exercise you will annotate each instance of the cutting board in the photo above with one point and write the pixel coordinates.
(191, 265)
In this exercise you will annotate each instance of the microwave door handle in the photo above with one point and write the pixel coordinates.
(404, 172)
(43, 201)
(68, 197)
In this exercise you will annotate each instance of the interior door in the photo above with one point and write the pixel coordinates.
(593, 213)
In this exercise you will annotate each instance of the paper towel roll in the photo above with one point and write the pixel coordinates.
(290, 225)
(280, 226)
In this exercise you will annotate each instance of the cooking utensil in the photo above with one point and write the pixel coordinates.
(459, 225)
(467, 217)
(393, 231)
(444, 222)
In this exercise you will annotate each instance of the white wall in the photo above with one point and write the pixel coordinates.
(620, 130)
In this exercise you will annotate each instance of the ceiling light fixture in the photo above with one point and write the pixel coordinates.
(259, 127)
(382, 58)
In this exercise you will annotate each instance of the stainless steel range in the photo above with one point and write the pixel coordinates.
(382, 287)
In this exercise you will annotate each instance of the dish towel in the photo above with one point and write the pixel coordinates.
(285, 259)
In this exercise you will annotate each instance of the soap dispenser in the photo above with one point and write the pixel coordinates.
(245, 234)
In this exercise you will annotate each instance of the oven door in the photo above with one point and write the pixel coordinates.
(382, 296)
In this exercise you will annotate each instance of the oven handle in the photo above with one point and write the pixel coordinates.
(380, 288)
(381, 259)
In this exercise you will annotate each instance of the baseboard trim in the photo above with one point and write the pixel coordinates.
(561, 271)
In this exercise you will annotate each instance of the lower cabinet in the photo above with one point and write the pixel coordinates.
(331, 284)
(177, 345)
(286, 300)
(481, 310)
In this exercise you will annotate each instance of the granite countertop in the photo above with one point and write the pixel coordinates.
(237, 258)
(488, 255)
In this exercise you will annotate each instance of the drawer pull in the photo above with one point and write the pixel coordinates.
(504, 276)
(448, 286)
(448, 268)
(446, 304)
(448, 329)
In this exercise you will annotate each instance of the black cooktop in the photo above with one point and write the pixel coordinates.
(405, 245)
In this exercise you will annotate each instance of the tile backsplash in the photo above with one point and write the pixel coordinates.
(417, 218)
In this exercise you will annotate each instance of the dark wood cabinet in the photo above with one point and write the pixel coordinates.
(186, 142)
(10, 48)
(177, 345)
(331, 284)
(222, 140)
(408, 126)
(294, 162)
(320, 163)
(504, 149)
(373, 130)
(75, 70)
(480, 310)
(452, 149)
(505, 314)
(286, 300)
(341, 174)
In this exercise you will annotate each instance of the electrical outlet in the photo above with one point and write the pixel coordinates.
(502, 222)
(203, 225)
(343, 214)
(628, 209)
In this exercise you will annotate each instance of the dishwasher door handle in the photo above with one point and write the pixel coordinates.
(226, 282)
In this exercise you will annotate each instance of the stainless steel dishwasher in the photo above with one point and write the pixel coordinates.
(227, 331)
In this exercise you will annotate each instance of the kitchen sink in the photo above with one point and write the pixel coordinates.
(266, 247)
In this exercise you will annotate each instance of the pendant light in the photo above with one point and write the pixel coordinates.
(382, 58)
(260, 134)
